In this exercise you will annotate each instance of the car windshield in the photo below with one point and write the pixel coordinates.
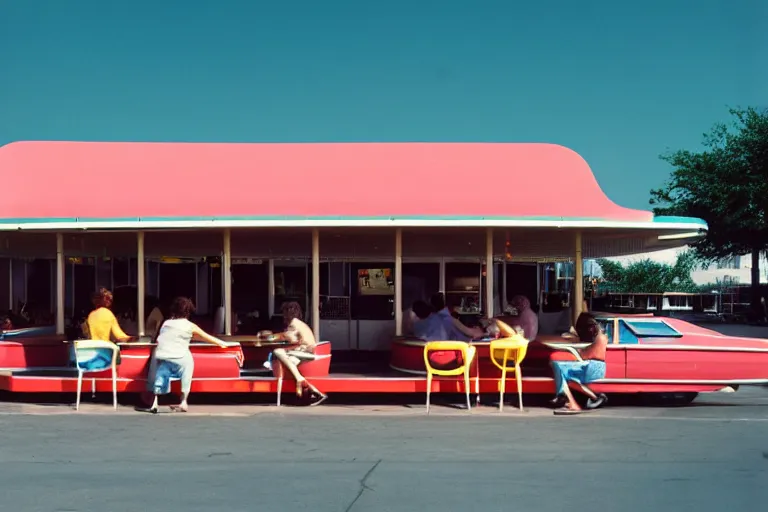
(606, 324)
(651, 328)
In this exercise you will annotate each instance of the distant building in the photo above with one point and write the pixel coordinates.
(736, 269)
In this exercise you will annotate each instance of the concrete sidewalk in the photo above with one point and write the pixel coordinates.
(748, 403)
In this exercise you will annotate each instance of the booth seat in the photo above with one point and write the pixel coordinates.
(320, 367)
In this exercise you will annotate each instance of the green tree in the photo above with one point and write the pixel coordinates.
(726, 185)
(648, 276)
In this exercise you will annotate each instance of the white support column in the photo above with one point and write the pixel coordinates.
(539, 284)
(270, 289)
(398, 282)
(504, 285)
(578, 279)
(226, 276)
(316, 283)
(489, 273)
(140, 282)
(442, 275)
(59, 283)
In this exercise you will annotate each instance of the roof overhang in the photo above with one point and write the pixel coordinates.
(536, 188)
(673, 228)
(540, 242)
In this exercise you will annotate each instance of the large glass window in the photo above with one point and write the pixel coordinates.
(420, 281)
(334, 290)
(249, 288)
(463, 291)
(39, 281)
(290, 284)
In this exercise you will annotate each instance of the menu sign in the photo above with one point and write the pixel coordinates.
(375, 281)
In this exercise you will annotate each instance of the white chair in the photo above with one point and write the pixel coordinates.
(95, 356)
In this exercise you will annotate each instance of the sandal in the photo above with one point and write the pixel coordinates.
(594, 404)
(567, 411)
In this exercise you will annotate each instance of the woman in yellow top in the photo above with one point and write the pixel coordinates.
(101, 323)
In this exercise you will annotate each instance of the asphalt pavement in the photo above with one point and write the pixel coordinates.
(711, 456)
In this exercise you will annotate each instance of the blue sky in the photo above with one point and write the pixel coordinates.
(619, 82)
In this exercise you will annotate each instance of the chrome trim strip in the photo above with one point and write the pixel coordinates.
(690, 382)
(658, 346)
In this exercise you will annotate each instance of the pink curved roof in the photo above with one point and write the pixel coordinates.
(113, 180)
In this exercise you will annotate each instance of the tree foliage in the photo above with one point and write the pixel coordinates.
(648, 276)
(726, 185)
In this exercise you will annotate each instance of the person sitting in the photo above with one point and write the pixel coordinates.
(299, 333)
(172, 358)
(7, 324)
(155, 318)
(455, 330)
(525, 318)
(590, 367)
(428, 325)
(128, 323)
(441, 325)
(409, 318)
(101, 323)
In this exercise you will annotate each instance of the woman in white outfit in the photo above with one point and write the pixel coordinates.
(172, 358)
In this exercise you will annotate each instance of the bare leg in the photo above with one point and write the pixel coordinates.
(591, 394)
(188, 367)
(572, 404)
(183, 406)
(153, 409)
(288, 363)
(291, 361)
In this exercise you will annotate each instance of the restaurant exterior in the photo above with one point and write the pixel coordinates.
(353, 232)
(306, 222)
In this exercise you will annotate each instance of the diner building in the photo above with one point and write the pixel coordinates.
(354, 232)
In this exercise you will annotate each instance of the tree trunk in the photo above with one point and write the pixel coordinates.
(757, 308)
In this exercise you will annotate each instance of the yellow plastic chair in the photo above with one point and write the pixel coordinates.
(503, 352)
(467, 354)
(95, 356)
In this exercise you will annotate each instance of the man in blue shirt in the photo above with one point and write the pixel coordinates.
(429, 326)
(453, 326)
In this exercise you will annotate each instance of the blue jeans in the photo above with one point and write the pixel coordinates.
(582, 372)
(163, 370)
